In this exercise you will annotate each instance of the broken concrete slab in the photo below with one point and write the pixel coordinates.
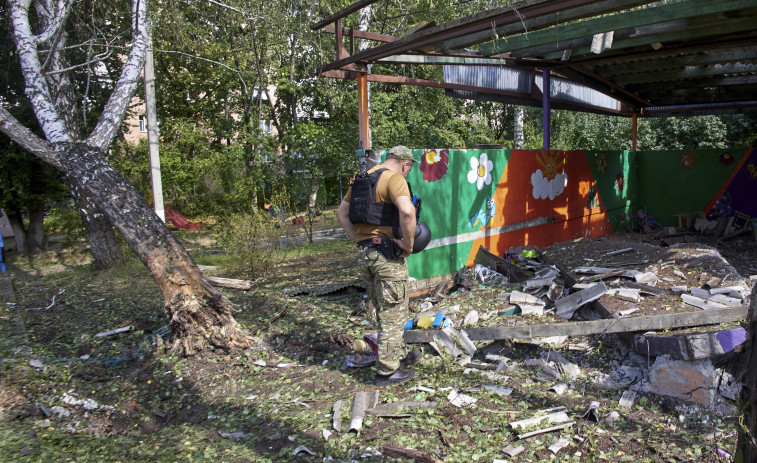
(694, 381)
(567, 306)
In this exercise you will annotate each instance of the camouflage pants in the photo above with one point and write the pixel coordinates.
(386, 283)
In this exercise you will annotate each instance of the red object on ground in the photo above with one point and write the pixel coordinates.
(179, 221)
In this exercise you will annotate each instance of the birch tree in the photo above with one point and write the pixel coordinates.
(199, 315)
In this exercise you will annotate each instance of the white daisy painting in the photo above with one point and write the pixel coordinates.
(481, 171)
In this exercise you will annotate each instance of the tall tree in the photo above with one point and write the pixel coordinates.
(198, 313)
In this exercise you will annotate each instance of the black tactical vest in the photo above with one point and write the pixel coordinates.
(365, 209)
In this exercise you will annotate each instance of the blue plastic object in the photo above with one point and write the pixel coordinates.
(2, 255)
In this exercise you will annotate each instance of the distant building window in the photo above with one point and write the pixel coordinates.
(142, 123)
(265, 126)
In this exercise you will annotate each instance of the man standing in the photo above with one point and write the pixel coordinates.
(378, 214)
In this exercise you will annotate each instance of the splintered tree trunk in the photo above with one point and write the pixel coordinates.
(106, 252)
(35, 236)
(746, 450)
(198, 313)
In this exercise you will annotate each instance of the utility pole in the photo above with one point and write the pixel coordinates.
(152, 132)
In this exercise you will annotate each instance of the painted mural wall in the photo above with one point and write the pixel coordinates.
(507, 198)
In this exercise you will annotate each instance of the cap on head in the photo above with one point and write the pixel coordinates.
(401, 153)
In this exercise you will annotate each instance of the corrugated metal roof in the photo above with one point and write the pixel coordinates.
(564, 93)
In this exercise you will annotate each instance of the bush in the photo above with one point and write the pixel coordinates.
(65, 219)
(251, 242)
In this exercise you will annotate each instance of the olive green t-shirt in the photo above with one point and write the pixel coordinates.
(391, 185)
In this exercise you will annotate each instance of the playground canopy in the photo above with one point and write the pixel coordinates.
(621, 57)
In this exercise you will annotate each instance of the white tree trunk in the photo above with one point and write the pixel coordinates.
(518, 139)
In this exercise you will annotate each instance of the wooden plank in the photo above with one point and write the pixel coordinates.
(636, 18)
(621, 325)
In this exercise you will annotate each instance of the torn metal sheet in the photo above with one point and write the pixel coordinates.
(728, 289)
(558, 388)
(558, 417)
(501, 390)
(519, 298)
(555, 292)
(592, 413)
(727, 300)
(513, 450)
(699, 292)
(538, 283)
(701, 303)
(646, 289)
(336, 418)
(443, 342)
(559, 445)
(471, 318)
(360, 403)
(627, 294)
(566, 307)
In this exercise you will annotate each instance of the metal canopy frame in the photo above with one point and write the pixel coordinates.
(686, 57)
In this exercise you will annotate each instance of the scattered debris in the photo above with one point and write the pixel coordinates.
(232, 283)
(460, 400)
(389, 409)
(501, 390)
(556, 415)
(567, 306)
(513, 450)
(408, 454)
(112, 332)
(362, 401)
(301, 449)
(627, 399)
(592, 413)
(559, 445)
(236, 435)
(336, 419)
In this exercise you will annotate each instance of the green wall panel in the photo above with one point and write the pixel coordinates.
(673, 182)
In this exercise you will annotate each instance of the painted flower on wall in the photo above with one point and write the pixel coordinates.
(481, 171)
(620, 182)
(601, 162)
(726, 159)
(687, 160)
(434, 164)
